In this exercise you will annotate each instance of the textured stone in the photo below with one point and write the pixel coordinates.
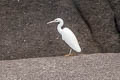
(83, 67)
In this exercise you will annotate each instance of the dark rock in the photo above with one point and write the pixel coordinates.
(115, 6)
(24, 32)
(100, 19)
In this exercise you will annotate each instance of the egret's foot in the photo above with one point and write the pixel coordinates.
(72, 54)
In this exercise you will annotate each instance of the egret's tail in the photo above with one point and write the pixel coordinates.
(78, 49)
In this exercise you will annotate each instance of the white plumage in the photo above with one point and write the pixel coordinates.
(67, 35)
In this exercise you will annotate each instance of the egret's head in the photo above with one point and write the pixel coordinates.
(56, 20)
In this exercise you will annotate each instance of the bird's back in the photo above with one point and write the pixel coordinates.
(69, 37)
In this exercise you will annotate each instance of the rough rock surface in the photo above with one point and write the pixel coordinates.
(83, 67)
(25, 34)
(100, 18)
(115, 6)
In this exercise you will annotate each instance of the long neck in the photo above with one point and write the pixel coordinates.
(59, 27)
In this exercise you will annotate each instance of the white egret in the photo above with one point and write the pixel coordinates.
(68, 36)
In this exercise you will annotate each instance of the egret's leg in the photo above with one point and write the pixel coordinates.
(70, 51)
(70, 54)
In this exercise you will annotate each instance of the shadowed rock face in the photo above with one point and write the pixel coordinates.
(100, 19)
(115, 6)
(24, 32)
